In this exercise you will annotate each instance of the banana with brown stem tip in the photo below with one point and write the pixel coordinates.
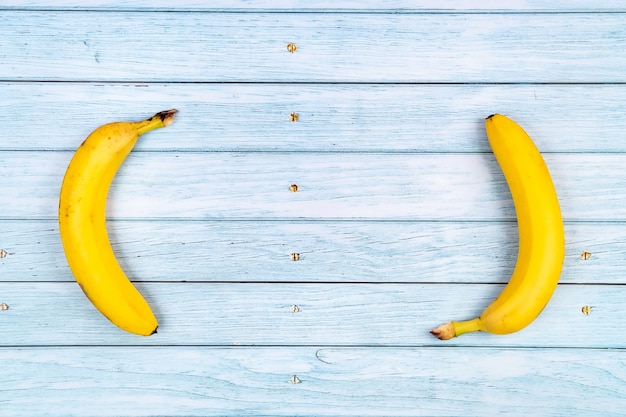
(541, 235)
(82, 226)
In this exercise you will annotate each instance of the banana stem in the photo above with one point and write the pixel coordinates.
(456, 328)
(468, 326)
(161, 119)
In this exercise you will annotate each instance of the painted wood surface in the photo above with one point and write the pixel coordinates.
(400, 118)
(294, 381)
(402, 219)
(234, 47)
(327, 314)
(356, 251)
(438, 187)
(325, 5)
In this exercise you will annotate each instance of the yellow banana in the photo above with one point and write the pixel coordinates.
(541, 236)
(82, 225)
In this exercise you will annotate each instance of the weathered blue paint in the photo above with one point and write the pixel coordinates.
(402, 219)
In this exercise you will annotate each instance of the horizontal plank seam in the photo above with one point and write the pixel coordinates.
(317, 346)
(311, 82)
(310, 151)
(304, 220)
(316, 283)
(410, 11)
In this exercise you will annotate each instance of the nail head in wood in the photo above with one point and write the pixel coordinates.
(295, 380)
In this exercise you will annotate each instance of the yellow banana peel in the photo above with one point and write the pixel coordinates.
(82, 223)
(541, 235)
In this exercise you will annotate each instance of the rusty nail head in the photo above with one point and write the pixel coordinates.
(293, 117)
(295, 257)
(293, 188)
(291, 47)
(585, 255)
(295, 308)
(586, 310)
(4, 306)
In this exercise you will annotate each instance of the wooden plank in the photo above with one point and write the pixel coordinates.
(337, 117)
(365, 382)
(459, 187)
(231, 47)
(328, 251)
(396, 6)
(230, 314)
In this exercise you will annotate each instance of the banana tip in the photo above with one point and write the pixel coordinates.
(167, 116)
(444, 332)
(490, 116)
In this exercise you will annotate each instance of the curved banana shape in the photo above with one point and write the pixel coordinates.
(82, 226)
(541, 236)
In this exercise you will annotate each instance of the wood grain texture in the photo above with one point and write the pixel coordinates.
(329, 251)
(332, 381)
(250, 314)
(331, 118)
(396, 6)
(402, 220)
(443, 187)
(235, 47)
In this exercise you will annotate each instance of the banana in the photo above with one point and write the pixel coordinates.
(82, 223)
(541, 235)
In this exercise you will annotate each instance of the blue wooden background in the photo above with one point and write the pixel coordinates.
(402, 219)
